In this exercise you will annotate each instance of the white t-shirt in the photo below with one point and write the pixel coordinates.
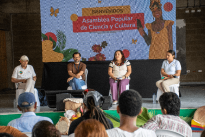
(117, 132)
(20, 73)
(171, 68)
(119, 71)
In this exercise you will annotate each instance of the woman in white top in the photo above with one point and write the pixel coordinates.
(119, 71)
(170, 72)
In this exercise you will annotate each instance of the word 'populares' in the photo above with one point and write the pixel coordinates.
(117, 19)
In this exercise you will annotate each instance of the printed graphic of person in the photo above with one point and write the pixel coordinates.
(159, 32)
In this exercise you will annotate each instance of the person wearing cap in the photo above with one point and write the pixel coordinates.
(91, 102)
(24, 76)
(27, 104)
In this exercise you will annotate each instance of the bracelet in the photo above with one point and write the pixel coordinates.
(125, 76)
(168, 75)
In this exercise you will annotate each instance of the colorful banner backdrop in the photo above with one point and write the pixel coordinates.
(141, 29)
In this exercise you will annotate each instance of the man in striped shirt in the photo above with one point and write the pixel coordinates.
(170, 120)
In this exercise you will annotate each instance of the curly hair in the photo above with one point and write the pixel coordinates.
(130, 103)
(45, 129)
(155, 4)
(123, 56)
(171, 102)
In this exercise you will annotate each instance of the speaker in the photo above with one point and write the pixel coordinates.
(51, 95)
(60, 105)
(107, 102)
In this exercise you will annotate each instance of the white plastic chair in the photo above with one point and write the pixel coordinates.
(173, 88)
(167, 133)
(20, 91)
(84, 86)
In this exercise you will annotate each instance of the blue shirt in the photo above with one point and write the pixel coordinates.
(26, 122)
(171, 68)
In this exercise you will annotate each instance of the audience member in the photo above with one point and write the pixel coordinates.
(5, 135)
(90, 128)
(203, 134)
(91, 105)
(27, 104)
(170, 120)
(130, 103)
(12, 131)
(45, 129)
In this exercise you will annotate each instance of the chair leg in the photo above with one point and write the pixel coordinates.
(180, 95)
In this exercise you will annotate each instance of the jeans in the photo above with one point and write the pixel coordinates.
(76, 83)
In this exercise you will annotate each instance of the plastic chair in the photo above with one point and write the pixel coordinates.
(167, 133)
(84, 86)
(173, 88)
(19, 91)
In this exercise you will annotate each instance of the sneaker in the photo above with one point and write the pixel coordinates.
(114, 102)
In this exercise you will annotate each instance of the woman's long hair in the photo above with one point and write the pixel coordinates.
(96, 113)
(123, 56)
(90, 128)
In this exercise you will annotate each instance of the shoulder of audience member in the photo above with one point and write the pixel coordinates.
(110, 122)
(45, 118)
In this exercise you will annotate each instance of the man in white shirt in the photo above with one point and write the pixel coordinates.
(24, 76)
(130, 103)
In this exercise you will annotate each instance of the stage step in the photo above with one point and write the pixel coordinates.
(7, 100)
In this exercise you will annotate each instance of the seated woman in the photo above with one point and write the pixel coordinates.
(90, 128)
(170, 71)
(119, 71)
(91, 103)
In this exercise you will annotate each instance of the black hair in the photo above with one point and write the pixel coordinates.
(76, 53)
(96, 112)
(155, 4)
(123, 56)
(130, 103)
(5, 135)
(172, 52)
(203, 134)
(171, 102)
(45, 129)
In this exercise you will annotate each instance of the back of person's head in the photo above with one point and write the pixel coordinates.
(5, 135)
(90, 128)
(92, 102)
(45, 129)
(130, 103)
(171, 102)
(26, 102)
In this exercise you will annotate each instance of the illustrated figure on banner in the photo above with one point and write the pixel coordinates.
(159, 35)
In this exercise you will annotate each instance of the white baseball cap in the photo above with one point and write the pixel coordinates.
(24, 58)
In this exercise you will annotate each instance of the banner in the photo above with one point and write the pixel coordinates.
(142, 29)
(107, 23)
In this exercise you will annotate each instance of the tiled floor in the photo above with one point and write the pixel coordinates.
(192, 97)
